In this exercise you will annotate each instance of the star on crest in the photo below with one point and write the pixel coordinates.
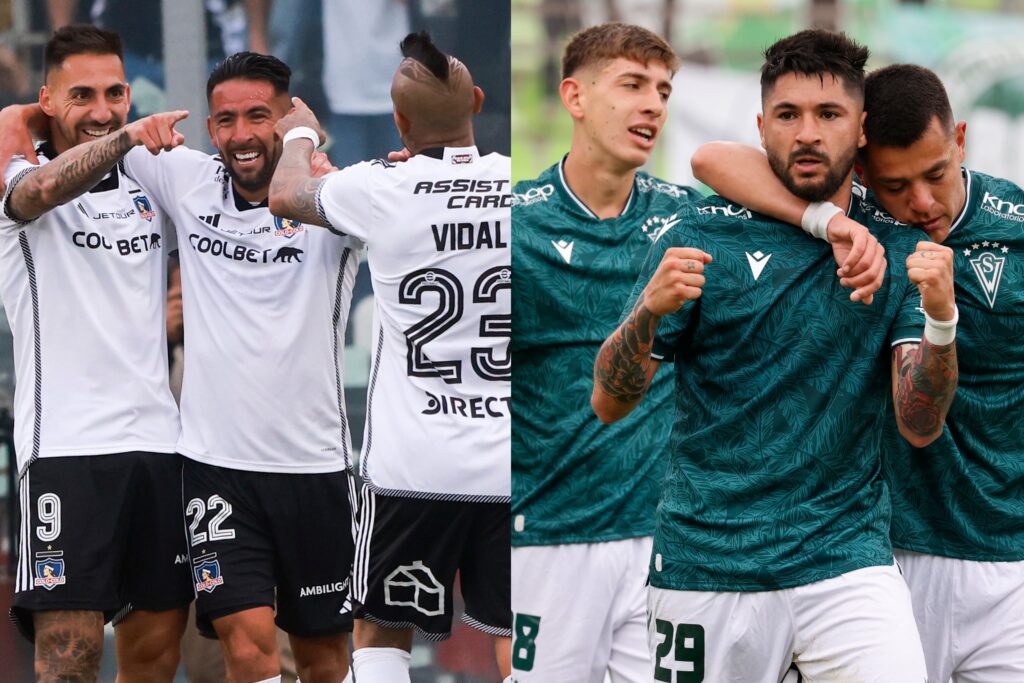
(967, 252)
(1005, 250)
(975, 246)
(985, 243)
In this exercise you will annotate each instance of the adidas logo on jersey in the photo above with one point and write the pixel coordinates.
(758, 260)
(213, 220)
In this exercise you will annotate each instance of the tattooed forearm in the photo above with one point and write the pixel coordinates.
(292, 190)
(71, 174)
(68, 646)
(927, 377)
(621, 369)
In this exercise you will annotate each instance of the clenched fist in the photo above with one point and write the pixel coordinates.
(930, 267)
(678, 279)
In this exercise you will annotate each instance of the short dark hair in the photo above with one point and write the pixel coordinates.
(420, 47)
(251, 66)
(816, 52)
(901, 100)
(78, 39)
(614, 40)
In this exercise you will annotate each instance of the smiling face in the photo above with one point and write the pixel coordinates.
(921, 184)
(620, 107)
(811, 129)
(86, 97)
(241, 124)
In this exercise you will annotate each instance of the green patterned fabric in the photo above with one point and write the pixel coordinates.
(575, 480)
(782, 393)
(963, 495)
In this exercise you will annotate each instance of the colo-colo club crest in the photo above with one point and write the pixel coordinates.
(206, 571)
(286, 227)
(988, 262)
(50, 570)
(144, 207)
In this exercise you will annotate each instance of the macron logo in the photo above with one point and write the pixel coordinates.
(564, 249)
(757, 261)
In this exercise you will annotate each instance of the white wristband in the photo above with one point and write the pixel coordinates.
(304, 132)
(816, 217)
(941, 332)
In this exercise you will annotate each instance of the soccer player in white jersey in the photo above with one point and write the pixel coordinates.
(96, 426)
(436, 458)
(267, 494)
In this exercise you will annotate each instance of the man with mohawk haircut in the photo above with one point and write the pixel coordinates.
(437, 489)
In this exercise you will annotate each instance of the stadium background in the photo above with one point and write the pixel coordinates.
(199, 33)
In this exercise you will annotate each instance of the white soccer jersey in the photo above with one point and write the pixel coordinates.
(437, 230)
(265, 304)
(85, 290)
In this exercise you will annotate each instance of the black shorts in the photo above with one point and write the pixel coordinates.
(251, 533)
(408, 551)
(101, 533)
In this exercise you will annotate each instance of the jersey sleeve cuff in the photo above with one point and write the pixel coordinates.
(10, 190)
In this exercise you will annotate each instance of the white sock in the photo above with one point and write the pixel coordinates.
(381, 665)
(275, 679)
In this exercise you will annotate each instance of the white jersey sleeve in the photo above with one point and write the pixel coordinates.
(17, 169)
(344, 201)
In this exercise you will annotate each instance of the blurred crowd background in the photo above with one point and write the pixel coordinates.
(974, 45)
(342, 54)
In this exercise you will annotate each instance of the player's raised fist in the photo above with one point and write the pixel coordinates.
(930, 267)
(300, 116)
(156, 132)
(678, 279)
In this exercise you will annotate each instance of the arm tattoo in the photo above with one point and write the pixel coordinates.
(625, 357)
(71, 174)
(293, 190)
(927, 376)
(68, 646)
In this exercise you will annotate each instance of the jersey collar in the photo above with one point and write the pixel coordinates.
(971, 189)
(563, 184)
(243, 204)
(107, 183)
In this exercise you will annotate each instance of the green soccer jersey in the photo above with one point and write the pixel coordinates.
(963, 495)
(782, 389)
(575, 480)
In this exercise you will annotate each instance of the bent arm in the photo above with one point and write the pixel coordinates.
(624, 368)
(741, 174)
(293, 188)
(71, 174)
(924, 381)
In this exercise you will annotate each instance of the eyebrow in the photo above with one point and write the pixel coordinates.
(646, 79)
(821, 105)
(937, 166)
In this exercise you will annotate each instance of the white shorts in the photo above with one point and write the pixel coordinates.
(971, 617)
(857, 627)
(580, 611)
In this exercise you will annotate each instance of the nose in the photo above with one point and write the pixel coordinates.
(241, 131)
(809, 133)
(101, 111)
(653, 104)
(920, 199)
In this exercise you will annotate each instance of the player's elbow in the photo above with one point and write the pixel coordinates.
(607, 409)
(703, 160)
(277, 203)
(916, 439)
